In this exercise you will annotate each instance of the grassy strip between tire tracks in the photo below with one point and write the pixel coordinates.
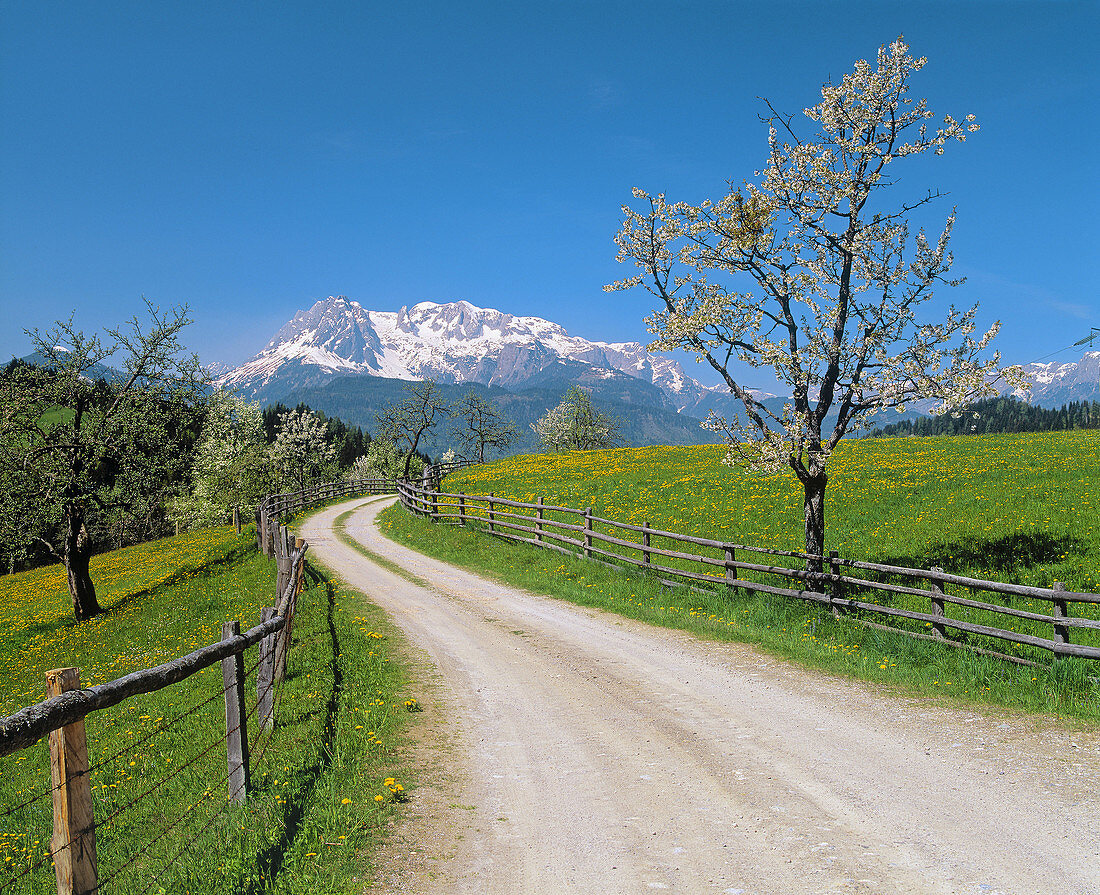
(323, 787)
(788, 629)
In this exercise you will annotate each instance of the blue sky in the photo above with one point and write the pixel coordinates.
(249, 158)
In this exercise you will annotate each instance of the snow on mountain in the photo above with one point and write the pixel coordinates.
(452, 342)
(1056, 383)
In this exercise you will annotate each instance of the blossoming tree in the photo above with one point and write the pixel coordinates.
(833, 279)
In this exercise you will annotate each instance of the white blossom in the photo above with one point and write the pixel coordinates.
(811, 273)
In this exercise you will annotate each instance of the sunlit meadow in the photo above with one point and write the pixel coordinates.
(320, 790)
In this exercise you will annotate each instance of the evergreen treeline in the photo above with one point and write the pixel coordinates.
(997, 415)
(349, 441)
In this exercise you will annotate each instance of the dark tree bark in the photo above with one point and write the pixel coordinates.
(77, 556)
(814, 487)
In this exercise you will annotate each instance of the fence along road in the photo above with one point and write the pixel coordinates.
(589, 753)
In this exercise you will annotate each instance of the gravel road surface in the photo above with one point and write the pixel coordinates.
(568, 750)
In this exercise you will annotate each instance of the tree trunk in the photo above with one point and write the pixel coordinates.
(815, 519)
(78, 553)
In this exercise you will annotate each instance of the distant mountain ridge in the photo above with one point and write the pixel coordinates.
(343, 358)
(453, 342)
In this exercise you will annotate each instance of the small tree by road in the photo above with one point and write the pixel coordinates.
(575, 425)
(481, 425)
(81, 447)
(814, 274)
(231, 466)
(302, 448)
(405, 423)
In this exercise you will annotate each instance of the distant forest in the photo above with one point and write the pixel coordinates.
(349, 441)
(999, 415)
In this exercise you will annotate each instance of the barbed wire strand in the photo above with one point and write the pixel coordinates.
(31, 800)
(207, 794)
(129, 746)
(187, 812)
(175, 773)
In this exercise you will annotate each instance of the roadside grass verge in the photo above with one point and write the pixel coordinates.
(319, 795)
(785, 628)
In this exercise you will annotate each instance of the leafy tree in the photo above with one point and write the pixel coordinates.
(834, 279)
(405, 423)
(348, 442)
(302, 448)
(231, 466)
(383, 460)
(481, 425)
(575, 425)
(79, 455)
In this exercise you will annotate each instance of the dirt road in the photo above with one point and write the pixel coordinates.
(576, 751)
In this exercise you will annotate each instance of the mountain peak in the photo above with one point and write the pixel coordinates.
(454, 341)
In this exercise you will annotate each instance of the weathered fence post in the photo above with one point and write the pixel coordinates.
(236, 730)
(645, 543)
(299, 546)
(939, 629)
(462, 509)
(731, 569)
(435, 506)
(259, 531)
(269, 534)
(1061, 610)
(282, 566)
(293, 588)
(835, 590)
(588, 531)
(237, 519)
(265, 674)
(491, 512)
(73, 844)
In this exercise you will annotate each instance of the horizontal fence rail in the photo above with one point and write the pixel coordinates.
(278, 506)
(844, 586)
(62, 716)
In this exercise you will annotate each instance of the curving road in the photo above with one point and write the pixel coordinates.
(574, 751)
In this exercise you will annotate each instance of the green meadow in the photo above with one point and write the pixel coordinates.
(323, 783)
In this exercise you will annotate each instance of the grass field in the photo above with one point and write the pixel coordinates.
(320, 790)
(1015, 507)
(1018, 508)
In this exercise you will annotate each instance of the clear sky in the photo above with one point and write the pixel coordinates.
(248, 158)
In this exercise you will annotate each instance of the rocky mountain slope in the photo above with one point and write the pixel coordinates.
(342, 358)
(454, 342)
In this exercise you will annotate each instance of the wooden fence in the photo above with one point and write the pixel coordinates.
(62, 716)
(275, 506)
(845, 586)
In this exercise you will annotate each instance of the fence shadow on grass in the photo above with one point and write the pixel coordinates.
(1008, 555)
(270, 860)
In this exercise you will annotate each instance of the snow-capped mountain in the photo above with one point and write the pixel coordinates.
(1058, 383)
(458, 342)
(452, 342)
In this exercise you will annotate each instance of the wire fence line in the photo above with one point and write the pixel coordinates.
(925, 603)
(61, 717)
